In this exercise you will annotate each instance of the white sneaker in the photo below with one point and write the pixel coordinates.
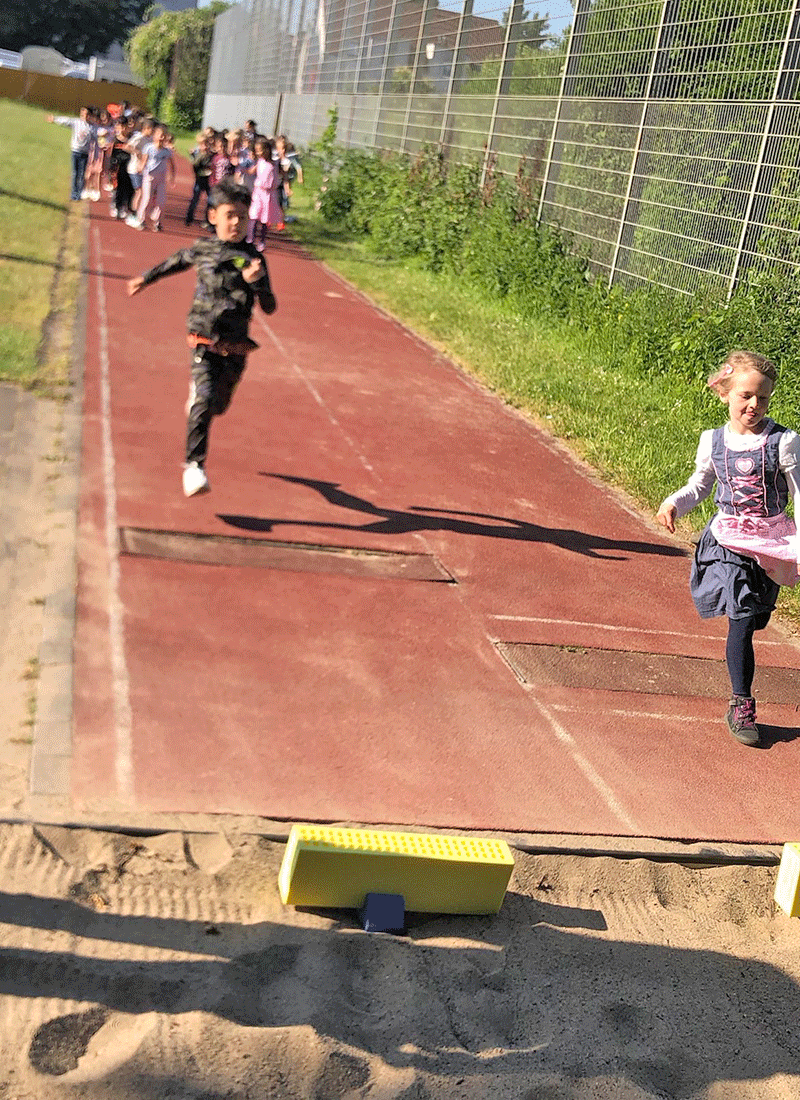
(133, 222)
(94, 196)
(194, 480)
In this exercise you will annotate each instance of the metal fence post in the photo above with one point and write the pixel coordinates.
(574, 47)
(637, 145)
(386, 59)
(783, 89)
(487, 152)
(337, 76)
(466, 12)
(361, 42)
(423, 23)
(284, 46)
(298, 49)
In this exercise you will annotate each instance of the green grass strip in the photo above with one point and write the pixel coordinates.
(34, 208)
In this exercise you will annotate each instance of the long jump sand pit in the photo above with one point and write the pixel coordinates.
(168, 967)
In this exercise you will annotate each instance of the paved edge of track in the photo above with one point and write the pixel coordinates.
(51, 751)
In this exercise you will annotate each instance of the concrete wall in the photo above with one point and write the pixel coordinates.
(225, 111)
(229, 48)
(63, 94)
(301, 117)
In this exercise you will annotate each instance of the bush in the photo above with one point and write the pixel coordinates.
(177, 115)
(441, 217)
(157, 94)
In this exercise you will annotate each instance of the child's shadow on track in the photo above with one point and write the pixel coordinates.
(777, 735)
(416, 518)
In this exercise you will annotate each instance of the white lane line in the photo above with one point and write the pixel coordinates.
(596, 780)
(120, 679)
(581, 762)
(317, 396)
(615, 629)
(566, 708)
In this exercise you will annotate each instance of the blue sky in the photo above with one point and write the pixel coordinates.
(559, 11)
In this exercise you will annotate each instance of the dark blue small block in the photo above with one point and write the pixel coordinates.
(383, 913)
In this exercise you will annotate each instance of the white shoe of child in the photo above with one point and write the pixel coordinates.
(133, 222)
(194, 480)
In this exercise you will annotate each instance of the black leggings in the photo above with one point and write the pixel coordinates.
(739, 653)
(123, 192)
(214, 378)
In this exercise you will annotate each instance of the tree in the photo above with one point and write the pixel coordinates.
(171, 53)
(78, 29)
(533, 30)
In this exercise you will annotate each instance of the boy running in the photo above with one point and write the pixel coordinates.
(231, 275)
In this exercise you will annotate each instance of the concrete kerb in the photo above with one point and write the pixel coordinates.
(51, 752)
(696, 854)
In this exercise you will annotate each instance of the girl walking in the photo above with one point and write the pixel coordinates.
(119, 165)
(97, 165)
(159, 163)
(265, 209)
(246, 165)
(202, 156)
(749, 548)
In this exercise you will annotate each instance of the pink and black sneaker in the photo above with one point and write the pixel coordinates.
(741, 719)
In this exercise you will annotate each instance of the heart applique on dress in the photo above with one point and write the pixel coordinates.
(744, 465)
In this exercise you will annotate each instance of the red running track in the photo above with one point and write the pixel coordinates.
(321, 696)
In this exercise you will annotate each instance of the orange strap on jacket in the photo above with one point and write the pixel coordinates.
(222, 347)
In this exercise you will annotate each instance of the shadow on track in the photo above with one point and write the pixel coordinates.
(416, 518)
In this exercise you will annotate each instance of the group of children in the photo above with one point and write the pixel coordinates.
(265, 167)
(125, 153)
(131, 156)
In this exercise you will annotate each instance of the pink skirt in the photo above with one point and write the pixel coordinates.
(770, 540)
(265, 207)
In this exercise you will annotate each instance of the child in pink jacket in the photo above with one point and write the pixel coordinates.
(265, 209)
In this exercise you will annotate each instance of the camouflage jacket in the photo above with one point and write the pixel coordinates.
(223, 301)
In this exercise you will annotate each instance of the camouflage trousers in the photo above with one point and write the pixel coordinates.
(214, 379)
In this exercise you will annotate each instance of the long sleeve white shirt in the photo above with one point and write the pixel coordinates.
(700, 484)
(82, 132)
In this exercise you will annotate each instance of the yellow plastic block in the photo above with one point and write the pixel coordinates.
(787, 887)
(336, 868)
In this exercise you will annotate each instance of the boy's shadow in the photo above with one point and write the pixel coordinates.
(417, 518)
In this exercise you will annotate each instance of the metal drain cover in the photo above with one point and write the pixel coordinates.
(640, 673)
(297, 557)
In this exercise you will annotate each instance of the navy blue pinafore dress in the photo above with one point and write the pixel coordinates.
(724, 582)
